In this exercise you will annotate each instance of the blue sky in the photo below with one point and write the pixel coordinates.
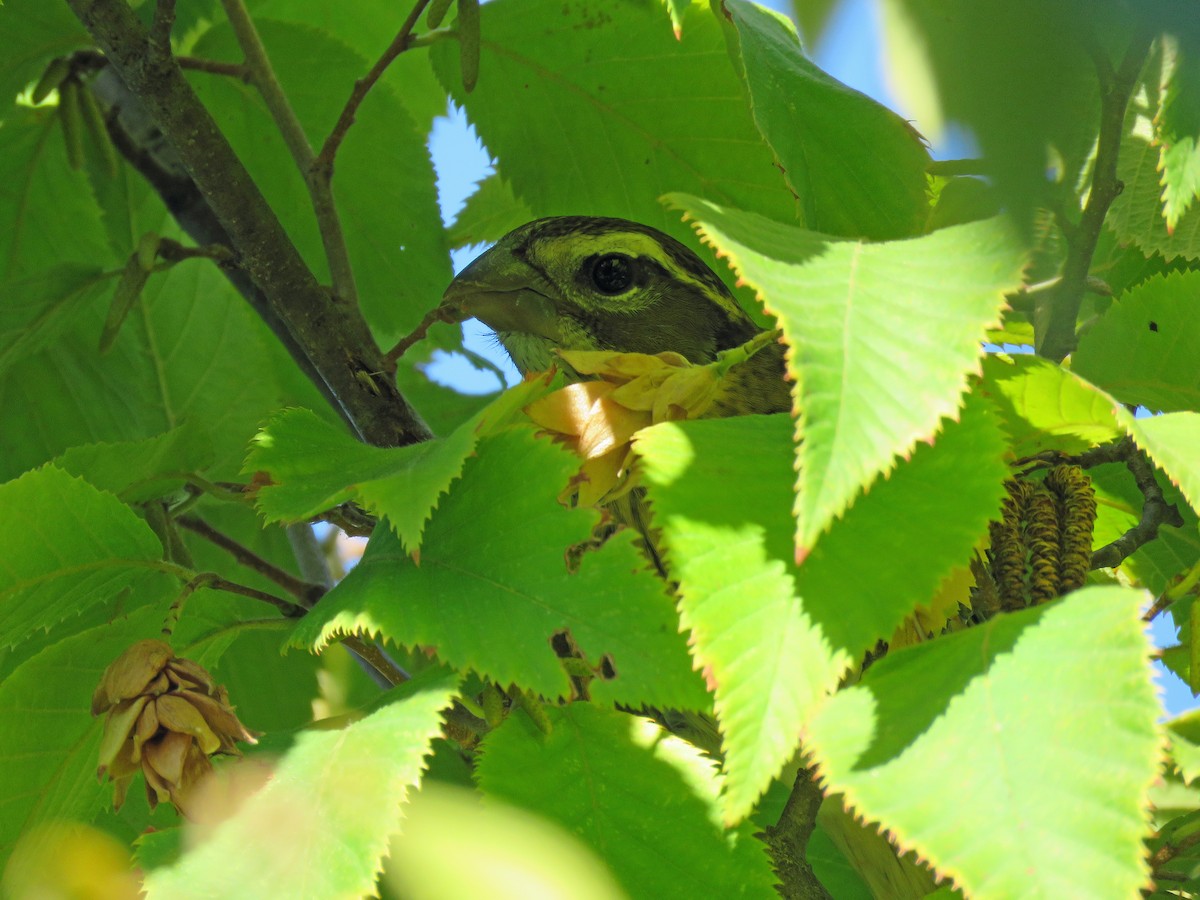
(851, 50)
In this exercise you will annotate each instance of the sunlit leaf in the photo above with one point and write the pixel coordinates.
(1009, 715)
(492, 587)
(863, 393)
(320, 826)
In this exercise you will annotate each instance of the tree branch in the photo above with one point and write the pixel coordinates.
(307, 594)
(788, 840)
(1156, 512)
(328, 336)
(1058, 311)
(214, 67)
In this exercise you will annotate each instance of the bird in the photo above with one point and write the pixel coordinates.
(599, 283)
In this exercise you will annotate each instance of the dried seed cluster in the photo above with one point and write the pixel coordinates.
(166, 717)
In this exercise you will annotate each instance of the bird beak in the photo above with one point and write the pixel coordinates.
(498, 289)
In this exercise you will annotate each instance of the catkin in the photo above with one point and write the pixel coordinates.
(1076, 499)
(1041, 537)
(1007, 550)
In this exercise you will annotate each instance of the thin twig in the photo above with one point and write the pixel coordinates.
(1171, 849)
(323, 167)
(349, 517)
(374, 657)
(160, 29)
(289, 609)
(437, 314)
(319, 189)
(1058, 312)
(173, 251)
(1155, 509)
(788, 839)
(215, 67)
(307, 594)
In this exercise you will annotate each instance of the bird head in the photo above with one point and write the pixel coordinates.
(589, 283)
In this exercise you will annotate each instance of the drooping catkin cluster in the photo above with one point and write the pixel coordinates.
(1041, 546)
(1076, 501)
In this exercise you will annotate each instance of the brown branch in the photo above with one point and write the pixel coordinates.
(291, 610)
(215, 67)
(1156, 512)
(307, 594)
(1172, 849)
(329, 334)
(1058, 312)
(373, 656)
(323, 166)
(160, 28)
(788, 840)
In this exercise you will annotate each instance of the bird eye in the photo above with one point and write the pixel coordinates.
(612, 273)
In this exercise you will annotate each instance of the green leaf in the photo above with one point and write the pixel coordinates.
(1179, 127)
(1171, 441)
(1010, 72)
(646, 805)
(864, 393)
(314, 466)
(143, 470)
(596, 106)
(491, 212)
(1137, 214)
(194, 351)
(492, 587)
(1143, 350)
(1009, 714)
(386, 198)
(719, 490)
(362, 24)
(1184, 733)
(39, 307)
(48, 215)
(69, 546)
(443, 826)
(1046, 407)
(954, 488)
(1119, 508)
(320, 826)
(857, 167)
(48, 741)
(774, 638)
(32, 33)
